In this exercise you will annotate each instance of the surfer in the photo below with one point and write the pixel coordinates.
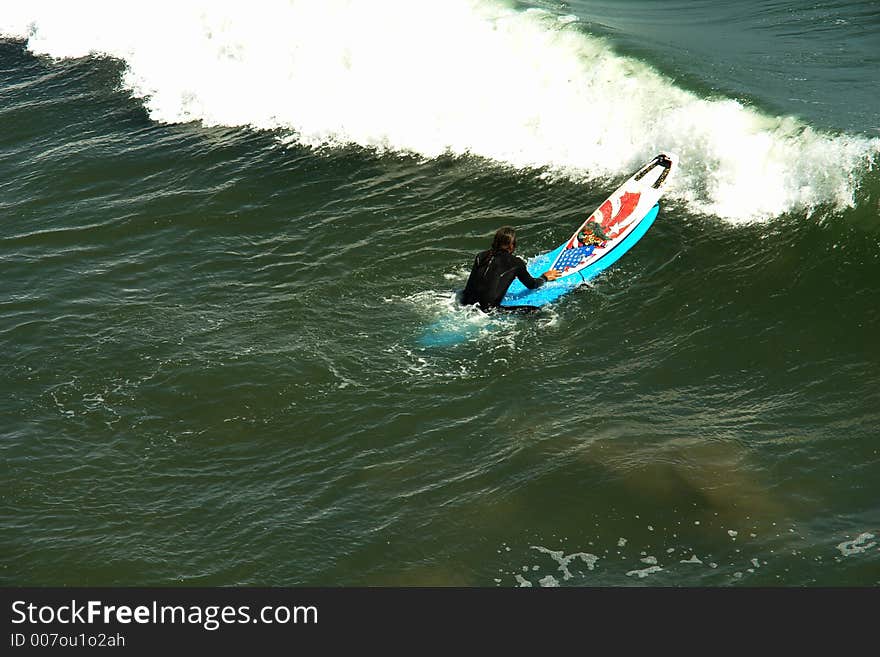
(495, 269)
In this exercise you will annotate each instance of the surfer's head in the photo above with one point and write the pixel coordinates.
(505, 239)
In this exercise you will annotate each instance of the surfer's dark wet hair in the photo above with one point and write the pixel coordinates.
(505, 237)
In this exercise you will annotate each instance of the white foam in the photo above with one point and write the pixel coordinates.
(522, 581)
(644, 572)
(458, 76)
(565, 559)
(858, 545)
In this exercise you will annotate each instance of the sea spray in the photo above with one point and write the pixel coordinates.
(527, 89)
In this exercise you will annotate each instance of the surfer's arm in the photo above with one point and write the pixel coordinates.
(522, 273)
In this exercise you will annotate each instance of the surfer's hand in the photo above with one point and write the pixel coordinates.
(551, 274)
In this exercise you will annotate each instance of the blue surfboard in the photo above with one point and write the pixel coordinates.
(612, 230)
(600, 241)
(519, 295)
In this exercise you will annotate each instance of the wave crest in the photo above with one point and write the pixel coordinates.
(462, 77)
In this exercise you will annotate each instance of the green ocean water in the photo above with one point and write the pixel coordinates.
(213, 373)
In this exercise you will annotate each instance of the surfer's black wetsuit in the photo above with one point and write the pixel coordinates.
(492, 274)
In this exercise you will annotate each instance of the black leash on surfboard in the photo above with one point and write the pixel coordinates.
(660, 160)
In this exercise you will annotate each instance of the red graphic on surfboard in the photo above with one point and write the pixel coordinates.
(612, 223)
